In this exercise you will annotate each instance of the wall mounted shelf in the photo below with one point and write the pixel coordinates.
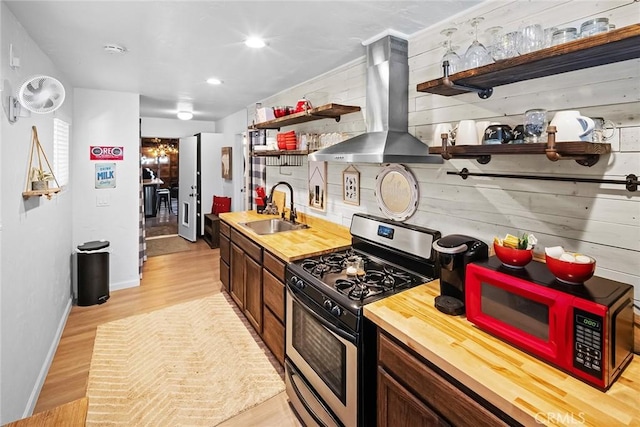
(328, 111)
(613, 46)
(48, 193)
(584, 153)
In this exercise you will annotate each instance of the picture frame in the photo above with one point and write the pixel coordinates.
(351, 186)
(226, 163)
(318, 185)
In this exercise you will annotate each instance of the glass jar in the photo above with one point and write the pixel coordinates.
(563, 36)
(594, 26)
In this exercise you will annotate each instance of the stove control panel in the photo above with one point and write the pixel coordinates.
(332, 307)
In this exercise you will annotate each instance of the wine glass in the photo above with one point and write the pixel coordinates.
(495, 48)
(535, 124)
(476, 54)
(455, 63)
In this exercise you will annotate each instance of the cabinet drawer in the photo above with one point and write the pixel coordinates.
(224, 275)
(273, 290)
(250, 248)
(429, 386)
(225, 249)
(273, 335)
(225, 229)
(274, 265)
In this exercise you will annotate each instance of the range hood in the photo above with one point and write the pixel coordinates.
(387, 139)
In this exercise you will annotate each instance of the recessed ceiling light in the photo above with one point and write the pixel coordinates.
(185, 115)
(255, 42)
(214, 81)
(114, 49)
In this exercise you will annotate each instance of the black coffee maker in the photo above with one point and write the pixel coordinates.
(455, 251)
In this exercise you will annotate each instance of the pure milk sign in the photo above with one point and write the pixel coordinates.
(105, 175)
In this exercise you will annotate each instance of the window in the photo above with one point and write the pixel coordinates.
(61, 151)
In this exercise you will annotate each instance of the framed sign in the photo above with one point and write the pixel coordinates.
(105, 175)
(351, 186)
(226, 162)
(106, 153)
(318, 185)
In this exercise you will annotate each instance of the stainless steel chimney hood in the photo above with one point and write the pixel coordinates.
(387, 139)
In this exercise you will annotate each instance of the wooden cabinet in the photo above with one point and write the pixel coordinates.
(246, 278)
(225, 255)
(399, 407)
(236, 285)
(411, 392)
(211, 233)
(256, 283)
(273, 279)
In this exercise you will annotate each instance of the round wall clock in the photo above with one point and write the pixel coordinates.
(397, 192)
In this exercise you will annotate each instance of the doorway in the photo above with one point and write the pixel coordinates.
(160, 177)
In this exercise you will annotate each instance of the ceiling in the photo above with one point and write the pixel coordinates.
(173, 47)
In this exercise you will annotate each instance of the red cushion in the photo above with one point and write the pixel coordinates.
(221, 204)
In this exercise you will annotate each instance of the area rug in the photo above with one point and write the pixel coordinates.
(167, 245)
(196, 364)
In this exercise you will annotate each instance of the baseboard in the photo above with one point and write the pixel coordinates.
(124, 285)
(33, 398)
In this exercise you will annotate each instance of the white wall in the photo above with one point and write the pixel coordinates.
(173, 128)
(597, 219)
(110, 119)
(233, 127)
(35, 241)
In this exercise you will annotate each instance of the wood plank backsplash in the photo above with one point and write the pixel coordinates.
(601, 220)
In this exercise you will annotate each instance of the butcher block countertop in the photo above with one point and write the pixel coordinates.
(518, 384)
(321, 237)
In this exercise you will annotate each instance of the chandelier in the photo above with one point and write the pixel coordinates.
(163, 149)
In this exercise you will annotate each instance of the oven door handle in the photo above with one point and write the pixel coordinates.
(328, 325)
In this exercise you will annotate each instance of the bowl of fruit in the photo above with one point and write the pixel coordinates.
(569, 267)
(513, 251)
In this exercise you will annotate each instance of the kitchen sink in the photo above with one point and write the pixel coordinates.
(272, 226)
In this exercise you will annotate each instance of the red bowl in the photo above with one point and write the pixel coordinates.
(573, 273)
(282, 145)
(514, 258)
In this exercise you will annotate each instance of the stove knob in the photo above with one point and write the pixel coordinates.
(328, 304)
(336, 311)
(298, 283)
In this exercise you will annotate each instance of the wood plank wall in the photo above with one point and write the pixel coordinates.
(596, 219)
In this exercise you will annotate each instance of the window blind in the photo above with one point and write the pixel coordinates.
(61, 151)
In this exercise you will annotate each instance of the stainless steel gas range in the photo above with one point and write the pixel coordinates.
(330, 346)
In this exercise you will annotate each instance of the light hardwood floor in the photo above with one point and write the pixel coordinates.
(166, 280)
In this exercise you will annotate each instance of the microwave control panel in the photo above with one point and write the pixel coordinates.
(588, 342)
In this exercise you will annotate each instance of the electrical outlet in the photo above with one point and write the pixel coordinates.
(102, 200)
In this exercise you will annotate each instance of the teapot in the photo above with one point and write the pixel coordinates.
(303, 105)
(571, 126)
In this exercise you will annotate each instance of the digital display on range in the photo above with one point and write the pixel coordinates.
(386, 232)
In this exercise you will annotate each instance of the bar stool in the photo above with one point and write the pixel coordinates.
(163, 194)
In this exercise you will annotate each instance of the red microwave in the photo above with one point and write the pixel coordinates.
(585, 330)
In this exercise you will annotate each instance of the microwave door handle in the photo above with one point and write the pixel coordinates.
(329, 326)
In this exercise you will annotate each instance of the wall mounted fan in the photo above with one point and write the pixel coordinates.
(38, 94)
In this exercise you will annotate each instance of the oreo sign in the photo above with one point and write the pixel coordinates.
(106, 153)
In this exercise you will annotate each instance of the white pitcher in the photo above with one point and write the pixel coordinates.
(571, 126)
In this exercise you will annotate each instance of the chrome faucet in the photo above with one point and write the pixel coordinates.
(292, 212)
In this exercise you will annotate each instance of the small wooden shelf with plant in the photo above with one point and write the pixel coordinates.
(39, 177)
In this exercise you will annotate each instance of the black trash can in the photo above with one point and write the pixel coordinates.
(93, 273)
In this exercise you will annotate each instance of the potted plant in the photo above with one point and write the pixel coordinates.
(40, 179)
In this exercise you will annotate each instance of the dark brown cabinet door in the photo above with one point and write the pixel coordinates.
(253, 292)
(224, 275)
(398, 407)
(237, 287)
